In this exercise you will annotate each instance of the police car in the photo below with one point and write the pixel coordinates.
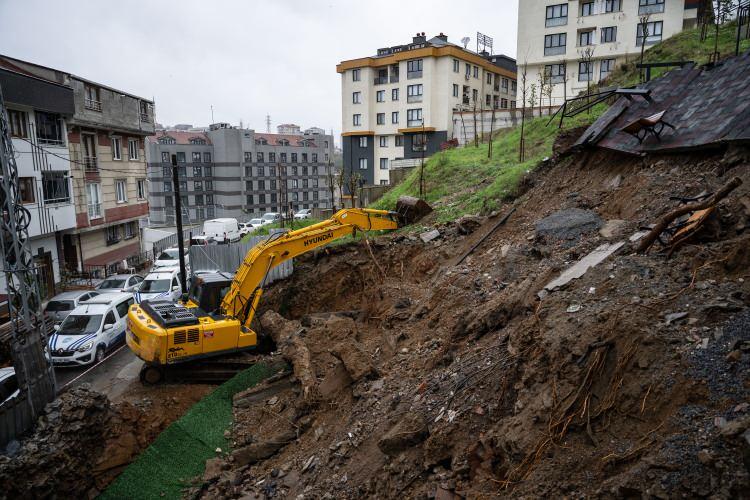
(90, 330)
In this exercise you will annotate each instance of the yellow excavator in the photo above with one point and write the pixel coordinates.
(215, 318)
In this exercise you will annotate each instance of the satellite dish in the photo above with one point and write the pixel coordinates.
(465, 40)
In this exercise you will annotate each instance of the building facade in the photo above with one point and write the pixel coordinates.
(234, 172)
(575, 43)
(38, 112)
(105, 140)
(399, 103)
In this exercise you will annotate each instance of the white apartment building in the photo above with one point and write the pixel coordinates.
(399, 103)
(554, 36)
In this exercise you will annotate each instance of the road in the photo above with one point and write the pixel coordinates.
(112, 376)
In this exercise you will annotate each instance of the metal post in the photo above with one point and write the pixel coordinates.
(178, 210)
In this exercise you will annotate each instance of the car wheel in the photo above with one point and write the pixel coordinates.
(99, 356)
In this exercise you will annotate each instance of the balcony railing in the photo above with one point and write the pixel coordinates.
(554, 51)
(92, 104)
(394, 79)
(556, 21)
(90, 164)
(413, 74)
(649, 40)
(650, 9)
(95, 210)
(381, 80)
(414, 98)
(414, 123)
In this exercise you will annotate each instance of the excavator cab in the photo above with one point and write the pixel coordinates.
(207, 291)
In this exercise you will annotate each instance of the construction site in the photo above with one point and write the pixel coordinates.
(574, 324)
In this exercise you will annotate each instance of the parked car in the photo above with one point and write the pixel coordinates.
(304, 213)
(119, 283)
(62, 304)
(245, 228)
(90, 330)
(171, 257)
(256, 223)
(160, 284)
(225, 230)
(8, 384)
(271, 217)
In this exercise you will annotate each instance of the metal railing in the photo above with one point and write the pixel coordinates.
(650, 9)
(556, 21)
(228, 258)
(743, 25)
(95, 210)
(92, 104)
(91, 164)
(555, 51)
(381, 80)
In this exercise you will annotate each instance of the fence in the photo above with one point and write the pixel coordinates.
(168, 242)
(228, 258)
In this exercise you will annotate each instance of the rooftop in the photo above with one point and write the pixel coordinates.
(180, 137)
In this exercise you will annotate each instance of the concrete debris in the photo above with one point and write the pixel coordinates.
(672, 317)
(429, 235)
(613, 228)
(579, 268)
(568, 225)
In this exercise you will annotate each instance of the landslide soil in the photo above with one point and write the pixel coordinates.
(439, 379)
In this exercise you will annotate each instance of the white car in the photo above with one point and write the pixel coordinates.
(256, 223)
(90, 330)
(171, 258)
(224, 230)
(119, 283)
(304, 213)
(271, 217)
(8, 384)
(160, 284)
(245, 228)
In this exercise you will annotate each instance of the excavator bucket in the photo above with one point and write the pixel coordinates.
(411, 209)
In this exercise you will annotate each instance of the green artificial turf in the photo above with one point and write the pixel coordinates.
(179, 454)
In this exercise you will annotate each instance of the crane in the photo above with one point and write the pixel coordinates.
(215, 319)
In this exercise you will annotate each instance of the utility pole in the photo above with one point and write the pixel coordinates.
(34, 371)
(178, 213)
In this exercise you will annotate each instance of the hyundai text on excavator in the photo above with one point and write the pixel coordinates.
(216, 318)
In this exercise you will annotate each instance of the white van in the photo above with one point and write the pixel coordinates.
(162, 283)
(90, 330)
(222, 230)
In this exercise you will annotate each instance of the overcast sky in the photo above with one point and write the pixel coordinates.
(245, 58)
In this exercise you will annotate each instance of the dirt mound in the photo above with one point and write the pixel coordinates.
(428, 379)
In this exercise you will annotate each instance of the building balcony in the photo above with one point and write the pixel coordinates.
(95, 210)
(650, 40)
(92, 104)
(650, 9)
(556, 21)
(554, 51)
(381, 80)
(90, 164)
(414, 98)
(394, 79)
(466, 99)
(413, 74)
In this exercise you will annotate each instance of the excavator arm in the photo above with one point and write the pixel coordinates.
(242, 299)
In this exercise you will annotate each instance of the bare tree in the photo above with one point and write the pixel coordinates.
(340, 181)
(522, 145)
(353, 185)
(474, 113)
(586, 59)
(331, 178)
(532, 98)
(643, 28)
(492, 125)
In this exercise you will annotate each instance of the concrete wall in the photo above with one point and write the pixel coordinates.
(464, 121)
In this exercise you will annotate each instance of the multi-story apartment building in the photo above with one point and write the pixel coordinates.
(105, 139)
(234, 172)
(579, 42)
(399, 103)
(38, 111)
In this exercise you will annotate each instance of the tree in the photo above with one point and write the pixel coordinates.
(331, 178)
(585, 58)
(643, 26)
(522, 145)
(353, 183)
(340, 178)
(474, 112)
(532, 98)
(492, 125)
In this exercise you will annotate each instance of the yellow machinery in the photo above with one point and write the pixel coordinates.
(215, 320)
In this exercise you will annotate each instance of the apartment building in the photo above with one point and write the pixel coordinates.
(234, 172)
(38, 112)
(105, 139)
(399, 103)
(582, 41)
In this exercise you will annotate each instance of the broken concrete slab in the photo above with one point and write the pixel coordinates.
(579, 268)
(430, 235)
(568, 224)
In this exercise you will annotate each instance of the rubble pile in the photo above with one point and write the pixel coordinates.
(414, 376)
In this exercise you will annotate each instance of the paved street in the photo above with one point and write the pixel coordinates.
(112, 376)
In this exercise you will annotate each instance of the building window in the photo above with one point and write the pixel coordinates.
(606, 66)
(91, 98)
(180, 157)
(363, 163)
(198, 186)
(555, 44)
(133, 149)
(183, 189)
(609, 34)
(304, 159)
(197, 141)
(653, 33)
(130, 230)
(356, 97)
(18, 122)
(512, 104)
(305, 183)
(26, 189)
(455, 90)
(394, 96)
(468, 71)
(248, 156)
(557, 15)
(207, 157)
(209, 185)
(294, 183)
(259, 171)
(165, 139)
(383, 141)
(282, 157)
(414, 68)
(259, 156)
(419, 142)
(121, 189)
(456, 66)
(414, 117)
(363, 141)
(197, 172)
(476, 71)
(356, 75)
(314, 157)
(587, 9)
(380, 96)
(271, 157)
(168, 202)
(207, 171)
(48, 128)
(384, 164)
(272, 171)
(584, 71)
(555, 72)
(380, 118)
(357, 120)
(585, 38)
(141, 184)
(612, 5)
(489, 78)
(294, 170)
(475, 95)
(94, 200)
(113, 235)
(414, 93)
(196, 157)
(167, 186)
(650, 6)
(394, 117)
(488, 100)
(116, 148)
(504, 103)
(399, 142)
(294, 160)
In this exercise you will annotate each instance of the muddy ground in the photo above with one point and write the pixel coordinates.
(420, 377)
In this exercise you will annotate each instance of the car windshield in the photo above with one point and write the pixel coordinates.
(153, 286)
(111, 283)
(60, 305)
(169, 255)
(80, 324)
(269, 216)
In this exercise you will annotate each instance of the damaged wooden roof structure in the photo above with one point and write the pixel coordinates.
(697, 107)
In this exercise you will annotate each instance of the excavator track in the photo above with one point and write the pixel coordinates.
(205, 371)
